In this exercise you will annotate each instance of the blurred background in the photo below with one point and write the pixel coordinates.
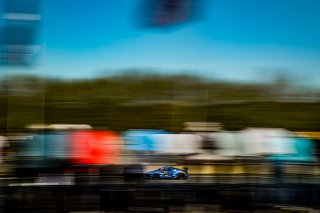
(94, 94)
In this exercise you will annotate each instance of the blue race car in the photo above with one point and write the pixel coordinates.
(167, 172)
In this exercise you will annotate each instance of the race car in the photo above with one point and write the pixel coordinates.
(167, 172)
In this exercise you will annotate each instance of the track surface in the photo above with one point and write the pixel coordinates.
(203, 193)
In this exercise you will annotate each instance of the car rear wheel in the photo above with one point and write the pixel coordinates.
(182, 176)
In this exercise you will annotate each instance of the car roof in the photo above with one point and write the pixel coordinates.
(169, 167)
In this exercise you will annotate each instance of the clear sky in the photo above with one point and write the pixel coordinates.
(243, 40)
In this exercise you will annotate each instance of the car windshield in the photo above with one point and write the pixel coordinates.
(165, 168)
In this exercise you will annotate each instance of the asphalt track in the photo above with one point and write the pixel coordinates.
(213, 179)
(193, 179)
(202, 193)
(159, 197)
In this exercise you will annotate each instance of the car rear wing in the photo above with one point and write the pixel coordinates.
(185, 169)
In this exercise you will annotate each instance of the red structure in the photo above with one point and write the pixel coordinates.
(89, 147)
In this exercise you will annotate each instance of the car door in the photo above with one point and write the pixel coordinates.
(170, 172)
(166, 172)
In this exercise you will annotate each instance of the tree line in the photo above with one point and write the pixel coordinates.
(133, 100)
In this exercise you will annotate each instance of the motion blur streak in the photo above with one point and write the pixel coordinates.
(159, 106)
(98, 147)
(20, 27)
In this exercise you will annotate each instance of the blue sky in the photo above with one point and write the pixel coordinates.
(242, 40)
